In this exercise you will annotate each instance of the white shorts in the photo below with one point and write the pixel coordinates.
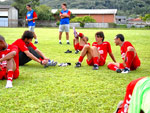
(31, 28)
(63, 28)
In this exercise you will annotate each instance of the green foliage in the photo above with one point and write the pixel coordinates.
(121, 26)
(57, 23)
(146, 17)
(44, 12)
(112, 25)
(83, 20)
(21, 6)
(69, 89)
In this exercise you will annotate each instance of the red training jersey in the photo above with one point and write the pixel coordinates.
(9, 49)
(22, 46)
(103, 49)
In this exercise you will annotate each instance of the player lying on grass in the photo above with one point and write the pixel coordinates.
(9, 62)
(137, 97)
(28, 52)
(97, 54)
(78, 45)
(130, 58)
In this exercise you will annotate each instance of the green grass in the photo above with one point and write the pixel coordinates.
(66, 89)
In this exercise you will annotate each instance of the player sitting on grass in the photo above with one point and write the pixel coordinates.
(137, 97)
(83, 41)
(9, 62)
(97, 54)
(28, 51)
(130, 58)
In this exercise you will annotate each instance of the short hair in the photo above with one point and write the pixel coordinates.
(87, 38)
(120, 36)
(2, 38)
(64, 4)
(28, 5)
(100, 34)
(27, 34)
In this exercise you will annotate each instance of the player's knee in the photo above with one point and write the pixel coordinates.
(94, 48)
(130, 48)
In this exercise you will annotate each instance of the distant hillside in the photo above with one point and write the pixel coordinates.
(125, 7)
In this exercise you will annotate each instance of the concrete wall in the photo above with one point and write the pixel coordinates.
(13, 17)
(91, 25)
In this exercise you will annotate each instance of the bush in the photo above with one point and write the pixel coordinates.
(112, 25)
(121, 26)
(57, 23)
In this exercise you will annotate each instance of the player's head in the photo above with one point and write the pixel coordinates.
(28, 6)
(99, 36)
(87, 39)
(64, 6)
(27, 36)
(3, 44)
(119, 39)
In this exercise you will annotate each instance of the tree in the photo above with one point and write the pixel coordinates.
(83, 20)
(146, 18)
(21, 6)
(44, 12)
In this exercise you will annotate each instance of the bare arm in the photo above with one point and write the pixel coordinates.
(64, 16)
(41, 54)
(112, 57)
(8, 56)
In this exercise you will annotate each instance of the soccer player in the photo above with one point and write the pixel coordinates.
(78, 45)
(28, 52)
(130, 58)
(30, 18)
(137, 97)
(64, 22)
(9, 62)
(97, 54)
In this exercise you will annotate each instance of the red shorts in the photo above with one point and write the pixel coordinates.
(135, 64)
(3, 73)
(78, 47)
(101, 61)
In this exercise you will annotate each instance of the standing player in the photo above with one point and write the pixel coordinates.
(78, 45)
(97, 54)
(64, 22)
(30, 18)
(9, 62)
(28, 52)
(130, 58)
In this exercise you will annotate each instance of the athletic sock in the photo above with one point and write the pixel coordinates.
(96, 60)
(130, 57)
(112, 67)
(59, 40)
(67, 40)
(80, 59)
(10, 75)
(36, 40)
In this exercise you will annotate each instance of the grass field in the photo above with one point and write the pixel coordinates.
(66, 89)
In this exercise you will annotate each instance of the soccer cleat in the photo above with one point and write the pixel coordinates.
(77, 51)
(75, 33)
(51, 63)
(78, 64)
(118, 70)
(36, 42)
(125, 70)
(60, 42)
(68, 43)
(9, 84)
(95, 67)
(68, 51)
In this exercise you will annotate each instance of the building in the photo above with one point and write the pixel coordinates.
(136, 22)
(121, 20)
(8, 16)
(100, 15)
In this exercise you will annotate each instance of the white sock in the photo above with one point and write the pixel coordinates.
(59, 40)
(36, 39)
(67, 40)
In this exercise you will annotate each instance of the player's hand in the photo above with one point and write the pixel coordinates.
(29, 19)
(44, 62)
(26, 20)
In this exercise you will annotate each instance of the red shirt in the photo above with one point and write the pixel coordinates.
(22, 46)
(103, 48)
(9, 49)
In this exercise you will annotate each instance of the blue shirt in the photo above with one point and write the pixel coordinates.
(64, 20)
(30, 15)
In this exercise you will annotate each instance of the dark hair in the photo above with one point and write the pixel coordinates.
(28, 5)
(64, 4)
(120, 36)
(27, 34)
(2, 38)
(87, 38)
(100, 34)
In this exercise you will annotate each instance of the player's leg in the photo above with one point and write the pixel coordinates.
(76, 44)
(11, 67)
(130, 55)
(86, 50)
(67, 33)
(114, 66)
(61, 30)
(31, 28)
